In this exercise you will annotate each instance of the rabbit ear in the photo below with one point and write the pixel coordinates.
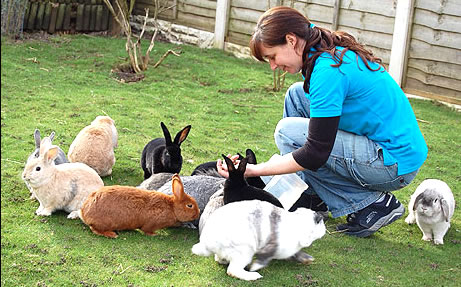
(166, 134)
(229, 163)
(250, 156)
(51, 154)
(445, 209)
(182, 135)
(177, 186)
(240, 156)
(417, 200)
(243, 165)
(37, 138)
(52, 136)
(45, 144)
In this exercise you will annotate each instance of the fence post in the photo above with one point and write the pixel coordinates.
(400, 39)
(222, 19)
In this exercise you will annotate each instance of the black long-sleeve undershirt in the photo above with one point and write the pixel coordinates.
(321, 138)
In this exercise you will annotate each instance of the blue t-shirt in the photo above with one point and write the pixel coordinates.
(371, 104)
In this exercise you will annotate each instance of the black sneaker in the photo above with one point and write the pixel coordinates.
(367, 221)
(311, 201)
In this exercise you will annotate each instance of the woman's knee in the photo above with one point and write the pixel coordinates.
(291, 131)
(296, 102)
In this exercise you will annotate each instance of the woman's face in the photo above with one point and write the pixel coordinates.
(287, 57)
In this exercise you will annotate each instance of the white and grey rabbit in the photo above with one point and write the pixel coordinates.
(94, 145)
(59, 187)
(240, 230)
(431, 206)
(61, 158)
(163, 154)
(200, 187)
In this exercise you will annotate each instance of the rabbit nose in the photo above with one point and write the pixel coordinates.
(317, 217)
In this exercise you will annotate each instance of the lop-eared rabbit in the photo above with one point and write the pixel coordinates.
(94, 145)
(431, 206)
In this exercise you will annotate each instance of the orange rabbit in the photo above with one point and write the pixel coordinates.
(118, 207)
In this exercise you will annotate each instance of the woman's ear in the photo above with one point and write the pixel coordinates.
(291, 39)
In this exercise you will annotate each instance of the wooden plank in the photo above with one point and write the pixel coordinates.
(40, 15)
(314, 13)
(60, 16)
(26, 15)
(367, 21)
(86, 17)
(447, 7)
(422, 50)
(436, 37)
(241, 27)
(98, 25)
(46, 16)
(430, 92)
(199, 3)
(376, 7)
(93, 17)
(380, 40)
(53, 16)
(437, 21)
(196, 10)
(447, 70)
(196, 22)
(221, 22)
(334, 22)
(32, 16)
(247, 15)
(67, 16)
(80, 14)
(433, 80)
(105, 18)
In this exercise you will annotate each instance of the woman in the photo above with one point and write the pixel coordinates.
(348, 130)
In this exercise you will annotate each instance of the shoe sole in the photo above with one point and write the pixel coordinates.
(383, 221)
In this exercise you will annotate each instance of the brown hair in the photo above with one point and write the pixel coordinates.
(277, 22)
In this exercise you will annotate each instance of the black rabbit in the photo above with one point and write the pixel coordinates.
(163, 155)
(236, 188)
(209, 168)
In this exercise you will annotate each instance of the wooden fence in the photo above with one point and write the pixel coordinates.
(67, 15)
(429, 60)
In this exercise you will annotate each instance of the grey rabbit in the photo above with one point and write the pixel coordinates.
(163, 154)
(200, 187)
(61, 158)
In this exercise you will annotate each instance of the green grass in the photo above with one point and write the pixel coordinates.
(63, 83)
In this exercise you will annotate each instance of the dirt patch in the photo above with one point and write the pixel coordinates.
(125, 74)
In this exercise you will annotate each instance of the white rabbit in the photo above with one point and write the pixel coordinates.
(59, 187)
(239, 230)
(431, 206)
(94, 145)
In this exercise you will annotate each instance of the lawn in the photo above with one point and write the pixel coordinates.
(61, 83)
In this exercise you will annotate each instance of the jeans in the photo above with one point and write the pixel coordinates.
(354, 175)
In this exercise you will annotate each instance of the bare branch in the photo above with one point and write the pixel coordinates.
(164, 56)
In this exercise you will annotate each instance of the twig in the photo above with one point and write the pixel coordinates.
(164, 56)
(423, 121)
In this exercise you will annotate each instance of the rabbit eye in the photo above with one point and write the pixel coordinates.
(36, 154)
(37, 168)
(189, 206)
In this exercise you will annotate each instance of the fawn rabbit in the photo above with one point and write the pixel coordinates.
(114, 208)
(94, 145)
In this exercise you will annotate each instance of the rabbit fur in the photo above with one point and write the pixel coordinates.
(431, 206)
(94, 145)
(215, 202)
(200, 187)
(236, 188)
(59, 187)
(237, 231)
(47, 141)
(162, 154)
(114, 208)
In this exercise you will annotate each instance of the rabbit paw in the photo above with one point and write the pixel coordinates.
(438, 241)
(426, 238)
(410, 219)
(43, 212)
(73, 215)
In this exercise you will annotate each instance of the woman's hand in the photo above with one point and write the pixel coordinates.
(222, 167)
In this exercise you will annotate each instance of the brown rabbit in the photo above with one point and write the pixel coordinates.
(126, 208)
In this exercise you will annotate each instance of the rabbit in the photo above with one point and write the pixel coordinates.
(236, 188)
(209, 168)
(431, 206)
(240, 230)
(163, 155)
(61, 158)
(156, 180)
(59, 187)
(94, 145)
(215, 202)
(113, 208)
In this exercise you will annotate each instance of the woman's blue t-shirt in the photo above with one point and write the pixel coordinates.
(371, 104)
